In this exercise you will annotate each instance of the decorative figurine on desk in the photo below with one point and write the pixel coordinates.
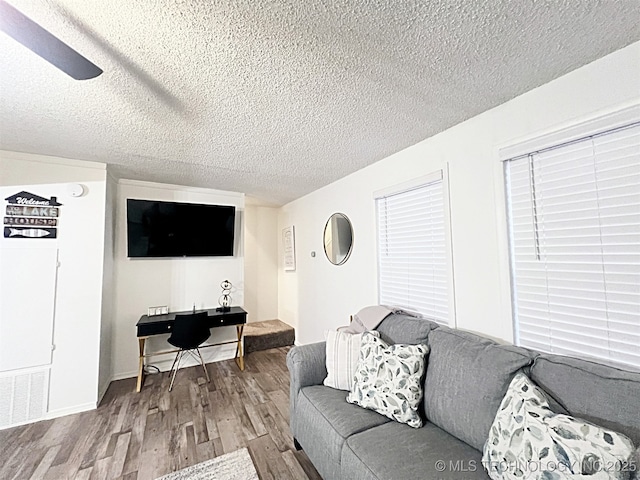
(225, 298)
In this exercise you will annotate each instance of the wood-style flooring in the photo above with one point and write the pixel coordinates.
(149, 434)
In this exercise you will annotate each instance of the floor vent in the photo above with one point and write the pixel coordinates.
(23, 397)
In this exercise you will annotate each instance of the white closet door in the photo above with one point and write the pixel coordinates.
(27, 302)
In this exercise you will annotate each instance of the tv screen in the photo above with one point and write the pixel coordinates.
(171, 229)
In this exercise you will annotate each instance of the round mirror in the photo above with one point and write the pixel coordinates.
(338, 238)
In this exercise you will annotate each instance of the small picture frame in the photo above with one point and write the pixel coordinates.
(153, 311)
(289, 248)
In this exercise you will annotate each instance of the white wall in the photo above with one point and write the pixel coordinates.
(261, 263)
(177, 282)
(74, 370)
(108, 288)
(318, 295)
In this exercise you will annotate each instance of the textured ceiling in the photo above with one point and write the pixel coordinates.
(278, 98)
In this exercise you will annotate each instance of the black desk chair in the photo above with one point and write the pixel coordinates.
(188, 333)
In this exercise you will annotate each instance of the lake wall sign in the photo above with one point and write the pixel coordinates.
(31, 216)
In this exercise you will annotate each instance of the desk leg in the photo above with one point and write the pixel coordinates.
(239, 352)
(141, 342)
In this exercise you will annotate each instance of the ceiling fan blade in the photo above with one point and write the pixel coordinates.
(44, 44)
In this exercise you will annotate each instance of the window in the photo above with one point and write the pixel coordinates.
(574, 226)
(412, 250)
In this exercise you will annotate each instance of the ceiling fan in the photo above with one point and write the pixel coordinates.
(44, 44)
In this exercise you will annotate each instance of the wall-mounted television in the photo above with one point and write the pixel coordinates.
(172, 229)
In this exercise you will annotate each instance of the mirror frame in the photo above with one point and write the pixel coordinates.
(324, 234)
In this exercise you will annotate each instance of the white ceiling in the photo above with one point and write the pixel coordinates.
(278, 98)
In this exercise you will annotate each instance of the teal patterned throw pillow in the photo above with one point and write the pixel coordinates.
(388, 379)
(529, 441)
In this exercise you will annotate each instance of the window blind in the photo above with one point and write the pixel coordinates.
(574, 224)
(412, 254)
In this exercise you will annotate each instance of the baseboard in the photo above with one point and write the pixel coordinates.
(103, 389)
(26, 422)
(70, 410)
(124, 375)
(210, 355)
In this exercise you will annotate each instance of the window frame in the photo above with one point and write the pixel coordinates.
(559, 135)
(441, 174)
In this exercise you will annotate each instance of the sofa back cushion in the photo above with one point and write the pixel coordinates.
(467, 378)
(400, 328)
(604, 395)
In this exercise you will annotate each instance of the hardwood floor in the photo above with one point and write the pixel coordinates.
(148, 434)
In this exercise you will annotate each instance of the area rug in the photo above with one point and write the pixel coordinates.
(230, 466)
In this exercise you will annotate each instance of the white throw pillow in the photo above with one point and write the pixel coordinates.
(388, 379)
(528, 440)
(343, 349)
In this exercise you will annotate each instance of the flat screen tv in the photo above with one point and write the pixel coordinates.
(172, 229)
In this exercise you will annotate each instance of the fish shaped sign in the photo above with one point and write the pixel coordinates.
(20, 232)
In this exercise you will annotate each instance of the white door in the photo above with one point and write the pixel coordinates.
(27, 304)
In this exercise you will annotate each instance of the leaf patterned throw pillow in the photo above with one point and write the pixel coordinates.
(529, 441)
(388, 379)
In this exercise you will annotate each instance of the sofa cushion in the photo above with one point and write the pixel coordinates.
(394, 451)
(526, 436)
(467, 377)
(401, 328)
(388, 379)
(328, 421)
(601, 394)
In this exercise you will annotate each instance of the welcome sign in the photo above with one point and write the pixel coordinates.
(31, 216)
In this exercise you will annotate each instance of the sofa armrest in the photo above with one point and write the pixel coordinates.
(307, 366)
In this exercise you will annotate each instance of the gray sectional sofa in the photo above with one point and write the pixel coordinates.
(467, 377)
